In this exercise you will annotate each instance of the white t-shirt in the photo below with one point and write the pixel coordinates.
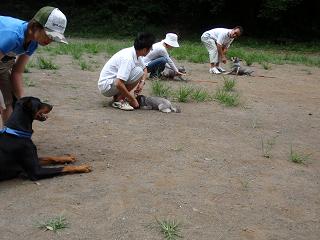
(159, 50)
(119, 66)
(220, 35)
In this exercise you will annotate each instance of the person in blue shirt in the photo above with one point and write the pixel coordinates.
(19, 40)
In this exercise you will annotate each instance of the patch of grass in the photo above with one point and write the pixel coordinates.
(249, 59)
(254, 122)
(84, 65)
(266, 65)
(266, 146)
(28, 82)
(227, 98)
(298, 157)
(29, 65)
(200, 95)
(307, 71)
(44, 63)
(184, 93)
(250, 51)
(160, 88)
(244, 184)
(170, 229)
(26, 69)
(54, 224)
(228, 84)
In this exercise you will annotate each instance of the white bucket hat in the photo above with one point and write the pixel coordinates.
(53, 21)
(171, 39)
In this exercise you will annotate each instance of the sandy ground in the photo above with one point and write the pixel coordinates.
(203, 167)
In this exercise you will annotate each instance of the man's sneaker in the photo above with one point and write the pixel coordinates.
(214, 70)
(221, 69)
(123, 105)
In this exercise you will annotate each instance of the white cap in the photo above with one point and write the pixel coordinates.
(54, 23)
(171, 39)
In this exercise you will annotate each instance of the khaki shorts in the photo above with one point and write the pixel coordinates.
(211, 46)
(5, 82)
(135, 74)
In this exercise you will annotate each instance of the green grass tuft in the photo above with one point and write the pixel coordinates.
(228, 84)
(28, 82)
(298, 157)
(54, 224)
(227, 98)
(200, 95)
(170, 229)
(160, 88)
(184, 93)
(85, 66)
(44, 63)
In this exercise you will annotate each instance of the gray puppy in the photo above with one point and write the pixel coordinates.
(156, 103)
(237, 69)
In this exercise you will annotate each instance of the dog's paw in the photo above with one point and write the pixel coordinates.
(70, 158)
(85, 168)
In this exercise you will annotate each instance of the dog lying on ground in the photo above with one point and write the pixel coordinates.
(170, 73)
(18, 154)
(156, 103)
(237, 69)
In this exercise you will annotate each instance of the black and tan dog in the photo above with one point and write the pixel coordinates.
(18, 154)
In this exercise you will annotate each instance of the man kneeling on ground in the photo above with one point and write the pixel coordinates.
(125, 71)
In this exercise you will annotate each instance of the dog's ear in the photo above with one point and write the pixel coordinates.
(27, 104)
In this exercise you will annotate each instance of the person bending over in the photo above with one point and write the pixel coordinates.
(19, 40)
(217, 41)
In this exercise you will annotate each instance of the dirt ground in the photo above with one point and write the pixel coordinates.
(203, 167)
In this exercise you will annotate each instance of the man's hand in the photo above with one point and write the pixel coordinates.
(224, 59)
(133, 102)
(180, 74)
(139, 87)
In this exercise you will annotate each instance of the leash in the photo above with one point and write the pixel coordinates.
(17, 133)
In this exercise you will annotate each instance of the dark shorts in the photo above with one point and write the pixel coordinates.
(5, 82)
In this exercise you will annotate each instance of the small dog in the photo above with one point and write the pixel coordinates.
(18, 154)
(168, 72)
(237, 69)
(156, 103)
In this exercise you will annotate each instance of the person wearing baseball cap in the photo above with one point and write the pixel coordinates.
(19, 40)
(157, 58)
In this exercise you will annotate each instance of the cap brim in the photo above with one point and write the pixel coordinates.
(55, 36)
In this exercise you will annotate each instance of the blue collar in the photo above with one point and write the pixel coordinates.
(17, 133)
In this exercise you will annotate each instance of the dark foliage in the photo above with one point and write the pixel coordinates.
(273, 19)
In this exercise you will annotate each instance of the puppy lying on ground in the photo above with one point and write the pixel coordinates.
(18, 154)
(237, 69)
(169, 73)
(156, 103)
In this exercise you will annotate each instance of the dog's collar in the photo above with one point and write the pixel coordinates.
(17, 133)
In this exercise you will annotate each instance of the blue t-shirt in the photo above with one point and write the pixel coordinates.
(12, 35)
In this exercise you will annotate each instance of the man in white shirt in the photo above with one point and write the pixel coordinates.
(157, 58)
(125, 71)
(217, 41)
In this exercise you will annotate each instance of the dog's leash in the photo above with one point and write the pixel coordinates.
(17, 133)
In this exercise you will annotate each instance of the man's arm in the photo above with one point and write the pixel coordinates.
(124, 92)
(222, 53)
(16, 75)
(142, 81)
